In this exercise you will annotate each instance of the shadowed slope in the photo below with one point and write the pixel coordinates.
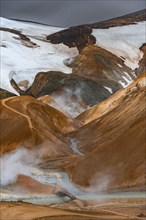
(75, 93)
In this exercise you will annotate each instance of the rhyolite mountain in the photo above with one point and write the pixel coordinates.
(77, 96)
(112, 139)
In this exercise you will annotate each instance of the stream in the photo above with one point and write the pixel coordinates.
(75, 148)
(59, 177)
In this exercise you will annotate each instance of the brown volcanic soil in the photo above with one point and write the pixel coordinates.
(18, 210)
(27, 122)
(115, 143)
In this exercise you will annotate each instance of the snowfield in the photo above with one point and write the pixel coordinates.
(123, 41)
(21, 62)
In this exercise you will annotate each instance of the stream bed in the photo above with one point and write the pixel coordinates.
(60, 178)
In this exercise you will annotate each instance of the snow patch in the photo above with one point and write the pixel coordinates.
(133, 73)
(128, 76)
(123, 84)
(109, 89)
(119, 65)
(127, 81)
(69, 61)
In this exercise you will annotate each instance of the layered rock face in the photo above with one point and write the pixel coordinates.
(73, 91)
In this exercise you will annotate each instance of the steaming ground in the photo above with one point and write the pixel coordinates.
(22, 175)
(13, 164)
(66, 104)
(20, 163)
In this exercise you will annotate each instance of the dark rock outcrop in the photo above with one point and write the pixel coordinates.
(79, 37)
(79, 88)
(5, 94)
(24, 39)
(142, 62)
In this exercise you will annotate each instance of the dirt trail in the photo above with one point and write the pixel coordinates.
(4, 102)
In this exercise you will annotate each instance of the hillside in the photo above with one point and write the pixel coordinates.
(115, 145)
(73, 120)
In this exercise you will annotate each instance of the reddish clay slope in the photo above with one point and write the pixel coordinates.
(29, 185)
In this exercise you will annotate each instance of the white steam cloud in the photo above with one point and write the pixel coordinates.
(70, 102)
(13, 164)
(101, 181)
